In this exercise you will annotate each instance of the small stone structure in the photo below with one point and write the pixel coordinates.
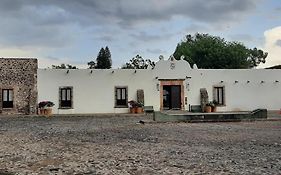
(20, 76)
(140, 96)
(204, 98)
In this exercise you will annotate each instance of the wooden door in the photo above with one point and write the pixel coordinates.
(176, 97)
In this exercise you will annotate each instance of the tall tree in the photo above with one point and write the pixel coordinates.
(103, 59)
(212, 52)
(108, 55)
(138, 62)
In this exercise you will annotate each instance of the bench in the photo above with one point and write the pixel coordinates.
(148, 109)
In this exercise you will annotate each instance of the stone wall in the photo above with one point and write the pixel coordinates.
(20, 75)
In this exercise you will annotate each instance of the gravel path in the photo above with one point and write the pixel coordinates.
(118, 145)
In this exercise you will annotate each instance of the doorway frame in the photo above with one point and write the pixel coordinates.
(171, 82)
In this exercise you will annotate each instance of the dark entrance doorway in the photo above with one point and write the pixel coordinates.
(171, 97)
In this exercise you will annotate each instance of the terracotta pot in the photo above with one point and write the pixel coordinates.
(48, 111)
(214, 109)
(133, 110)
(41, 111)
(139, 110)
(208, 109)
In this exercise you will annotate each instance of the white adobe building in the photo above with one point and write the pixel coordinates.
(172, 84)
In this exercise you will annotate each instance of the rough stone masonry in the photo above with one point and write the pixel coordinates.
(20, 76)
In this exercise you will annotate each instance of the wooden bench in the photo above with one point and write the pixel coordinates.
(148, 109)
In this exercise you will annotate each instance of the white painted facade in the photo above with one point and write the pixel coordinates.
(93, 89)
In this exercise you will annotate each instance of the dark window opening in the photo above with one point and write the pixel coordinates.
(121, 97)
(66, 97)
(7, 98)
(219, 95)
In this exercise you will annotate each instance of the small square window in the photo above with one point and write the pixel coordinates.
(7, 98)
(65, 97)
(219, 95)
(121, 97)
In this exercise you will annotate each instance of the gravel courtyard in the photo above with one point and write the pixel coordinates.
(119, 145)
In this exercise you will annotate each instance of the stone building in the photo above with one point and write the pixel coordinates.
(18, 85)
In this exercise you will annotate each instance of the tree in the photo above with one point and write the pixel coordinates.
(212, 52)
(63, 66)
(103, 60)
(138, 62)
(257, 56)
(91, 64)
(108, 55)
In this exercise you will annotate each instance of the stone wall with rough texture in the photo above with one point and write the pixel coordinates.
(20, 75)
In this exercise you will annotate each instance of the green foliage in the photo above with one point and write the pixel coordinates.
(91, 64)
(138, 62)
(257, 56)
(212, 52)
(103, 60)
(44, 104)
(63, 66)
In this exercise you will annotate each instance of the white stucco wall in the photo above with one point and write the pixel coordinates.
(94, 92)
(242, 95)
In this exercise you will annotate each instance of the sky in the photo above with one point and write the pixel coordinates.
(73, 31)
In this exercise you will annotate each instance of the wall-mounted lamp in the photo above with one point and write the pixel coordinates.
(135, 71)
(156, 78)
(157, 86)
(248, 81)
(262, 81)
(187, 77)
(221, 81)
(91, 71)
(236, 81)
(67, 71)
(112, 72)
(276, 81)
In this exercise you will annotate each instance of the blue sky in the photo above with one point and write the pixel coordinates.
(72, 31)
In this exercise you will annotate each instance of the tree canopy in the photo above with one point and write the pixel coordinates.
(103, 60)
(212, 52)
(63, 66)
(138, 62)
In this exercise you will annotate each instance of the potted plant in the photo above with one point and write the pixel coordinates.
(208, 107)
(45, 107)
(214, 106)
(139, 108)
(132, 106)
(135, 107)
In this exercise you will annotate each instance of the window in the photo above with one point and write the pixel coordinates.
(121, 97)
(65, 97)
(219, 95)
(7, 98)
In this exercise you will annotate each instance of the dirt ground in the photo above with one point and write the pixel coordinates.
(120, 145)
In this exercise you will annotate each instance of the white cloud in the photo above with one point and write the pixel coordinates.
(272, 36)
(14, 53)
(43, 62)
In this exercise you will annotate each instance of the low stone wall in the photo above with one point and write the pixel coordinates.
(210, 117)
(20, 75)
